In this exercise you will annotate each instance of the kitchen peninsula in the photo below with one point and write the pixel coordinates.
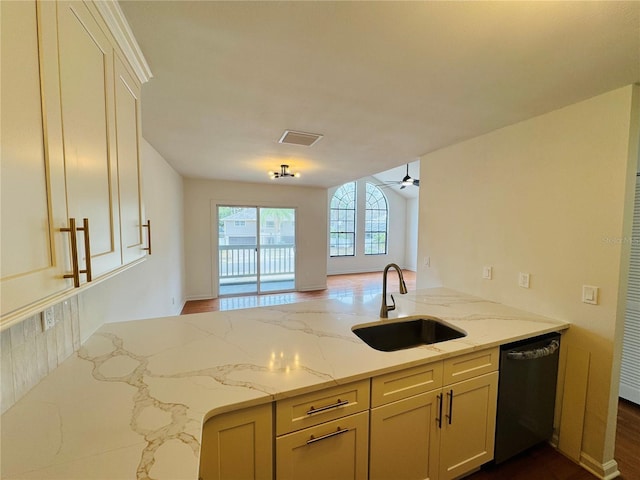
(131, 404)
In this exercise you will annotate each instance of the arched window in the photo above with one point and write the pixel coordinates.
(342, 223)
(375, 221)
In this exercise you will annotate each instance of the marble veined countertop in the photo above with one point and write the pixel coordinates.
(131, 403)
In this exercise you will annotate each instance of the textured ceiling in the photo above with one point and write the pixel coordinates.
(384, 82)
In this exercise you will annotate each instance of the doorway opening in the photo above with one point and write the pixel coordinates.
(256, 250)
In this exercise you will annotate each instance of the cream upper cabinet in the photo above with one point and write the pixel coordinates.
(70, 150)
(127, 103)
(32, 171)
(88, 120)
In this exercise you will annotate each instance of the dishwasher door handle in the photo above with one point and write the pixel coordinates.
(535, 353)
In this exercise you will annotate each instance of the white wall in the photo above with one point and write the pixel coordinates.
(551, 196)
(155, 287)
(411, 236)
(201, 232)
(395, 241)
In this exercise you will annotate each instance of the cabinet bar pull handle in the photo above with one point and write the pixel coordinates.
(74, 252)
(339, 403)
(450, 416)
(440, 402)
(87, 249)
(148, 227)
(339, 431)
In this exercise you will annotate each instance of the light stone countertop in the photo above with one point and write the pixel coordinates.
(131, 403)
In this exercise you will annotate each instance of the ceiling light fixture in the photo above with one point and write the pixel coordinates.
(284, 172)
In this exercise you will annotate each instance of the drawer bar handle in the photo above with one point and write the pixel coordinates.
(439, 419)
(339, 431)
(148, 227)
(450, 416)
(87, 249)
(339, 403)
(73, 229)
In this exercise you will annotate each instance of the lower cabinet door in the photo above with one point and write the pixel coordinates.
(238, 445)
(468, 425)
(405, 439)
(333, 450)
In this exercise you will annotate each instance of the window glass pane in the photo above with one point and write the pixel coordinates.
(342, 216)
(376, 224)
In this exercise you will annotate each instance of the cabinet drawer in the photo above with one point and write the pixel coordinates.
(470, 365)
(405, 383)
(314, 408)
(336, 449)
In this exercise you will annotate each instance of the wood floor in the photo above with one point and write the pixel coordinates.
(628, 440)
(337, 286)
(539, 463)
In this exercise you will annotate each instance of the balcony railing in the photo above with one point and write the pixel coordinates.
(237, 261)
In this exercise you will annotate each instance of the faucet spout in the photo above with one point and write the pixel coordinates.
(384, 308)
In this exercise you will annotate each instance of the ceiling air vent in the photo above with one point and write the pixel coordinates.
(299, 138)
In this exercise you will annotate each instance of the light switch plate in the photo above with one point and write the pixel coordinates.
(590, 294)
(487, 272)
(523, 280)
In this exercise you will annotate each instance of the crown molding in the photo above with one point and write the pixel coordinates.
(113, 16)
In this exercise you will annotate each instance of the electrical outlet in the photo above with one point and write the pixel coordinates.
(427, 261)
(48, 319)
(487, 272)
(523, 280)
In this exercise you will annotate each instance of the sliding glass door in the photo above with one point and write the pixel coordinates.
(256, 250)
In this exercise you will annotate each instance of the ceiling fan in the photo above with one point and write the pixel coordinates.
(407, 181)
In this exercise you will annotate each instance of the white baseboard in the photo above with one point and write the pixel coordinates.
(363, 270)
(312, 288)
(181, 305)
(605, 471)
(199, 297)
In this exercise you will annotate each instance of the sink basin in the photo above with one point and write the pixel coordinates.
(406, 333)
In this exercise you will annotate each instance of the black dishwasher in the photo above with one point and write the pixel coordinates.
(526, 394)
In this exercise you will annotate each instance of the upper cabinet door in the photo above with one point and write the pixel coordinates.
(86, 86)
(32, 184)
(127, 92)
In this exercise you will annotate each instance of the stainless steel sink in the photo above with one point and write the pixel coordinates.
(389, 336)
